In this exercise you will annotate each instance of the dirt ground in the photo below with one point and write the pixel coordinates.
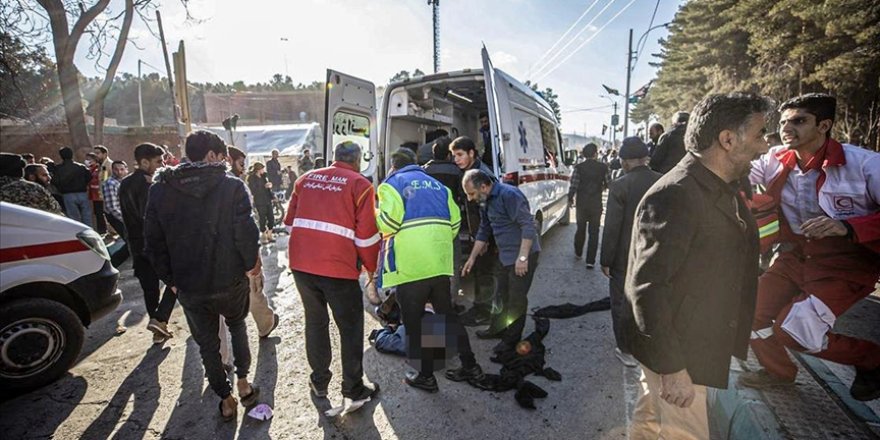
(124, 387)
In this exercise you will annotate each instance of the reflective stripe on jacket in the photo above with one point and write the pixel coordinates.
(419, 220)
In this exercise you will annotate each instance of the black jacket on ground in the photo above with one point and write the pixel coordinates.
(257, 185)
(587, 186)
(199, 228)
(71, 177)
(692, 275)
(133, 202)
(669, 149)
(449, 174)
(624, 195)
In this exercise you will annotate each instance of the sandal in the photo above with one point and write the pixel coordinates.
(228, 418)
(250, 399)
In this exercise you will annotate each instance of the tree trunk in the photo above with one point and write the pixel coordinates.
(101, 94)
(65, 41)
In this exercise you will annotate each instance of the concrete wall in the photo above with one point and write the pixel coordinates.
(45, 141)
(262, 108)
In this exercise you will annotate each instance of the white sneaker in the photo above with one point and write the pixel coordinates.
(626, 359)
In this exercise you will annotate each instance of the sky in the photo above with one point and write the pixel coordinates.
(233, 40)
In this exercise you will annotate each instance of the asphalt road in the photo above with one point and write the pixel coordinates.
(125, 387)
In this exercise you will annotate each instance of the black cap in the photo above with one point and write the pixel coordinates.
(633, 148)
(12, 165)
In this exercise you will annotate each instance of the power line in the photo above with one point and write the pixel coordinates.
(565, 34)
(584, 43)
(572, 39)
(645, 43)
(589, 109)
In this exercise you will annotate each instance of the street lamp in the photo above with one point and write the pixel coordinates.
(629, 69)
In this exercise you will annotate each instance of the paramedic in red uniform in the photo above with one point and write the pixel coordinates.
(333, 236)
(829, 232)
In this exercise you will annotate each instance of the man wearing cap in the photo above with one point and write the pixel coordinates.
(588, 180)
(624, 195)
(670, 146)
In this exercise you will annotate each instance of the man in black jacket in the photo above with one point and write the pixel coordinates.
(133, 203)
(442, 168)
(588, 180)
(670, 146)
(202, 240)
(72, 181)
(692, 276)
(624, 195)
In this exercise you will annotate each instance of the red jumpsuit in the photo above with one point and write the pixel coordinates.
(812, 282)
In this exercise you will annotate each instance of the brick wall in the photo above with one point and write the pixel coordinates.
(121, 141)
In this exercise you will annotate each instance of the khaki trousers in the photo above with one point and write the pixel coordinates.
(654, 418)
(263, 315)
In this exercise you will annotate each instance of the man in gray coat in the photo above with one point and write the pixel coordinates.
(624, 195)
(693, 268)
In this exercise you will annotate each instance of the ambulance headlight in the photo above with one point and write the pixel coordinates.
(94, 242)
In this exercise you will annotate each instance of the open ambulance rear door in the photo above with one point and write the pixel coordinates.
(350, 115)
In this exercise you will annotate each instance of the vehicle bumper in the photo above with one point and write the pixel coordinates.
(99, 291)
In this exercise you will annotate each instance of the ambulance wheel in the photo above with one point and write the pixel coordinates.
(40, 340)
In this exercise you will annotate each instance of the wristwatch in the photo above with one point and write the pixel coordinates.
(522, 259)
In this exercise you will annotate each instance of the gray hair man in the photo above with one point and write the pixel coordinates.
(693, 267)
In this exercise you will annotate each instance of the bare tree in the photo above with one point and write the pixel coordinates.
(35, 22)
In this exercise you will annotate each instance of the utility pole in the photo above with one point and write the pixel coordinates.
(436, 4)
(140, 96)
(170, 80)
(629, 58)
(615, 121)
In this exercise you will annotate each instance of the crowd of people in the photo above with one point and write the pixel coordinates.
(680, 246)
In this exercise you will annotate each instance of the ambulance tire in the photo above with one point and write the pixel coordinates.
(40, 340)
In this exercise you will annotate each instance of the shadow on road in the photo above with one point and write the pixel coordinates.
(143, 385)
(46, 409)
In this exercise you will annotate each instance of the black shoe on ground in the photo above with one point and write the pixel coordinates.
(368, 390)
(462, 374)
(761, 380)
(866, 386)
(590, 266)
(425, 383)
(318, 391)
(490, 333)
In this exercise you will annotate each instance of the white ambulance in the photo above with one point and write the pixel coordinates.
(55, 278)
(526, 146)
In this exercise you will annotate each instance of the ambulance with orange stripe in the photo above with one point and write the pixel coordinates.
(55, 279)
(526, 141)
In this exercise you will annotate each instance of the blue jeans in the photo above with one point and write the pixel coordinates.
(78, 207)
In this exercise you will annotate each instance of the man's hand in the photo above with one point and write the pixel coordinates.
(521, 268)
(677, 389)
(821, 227)
(606, 271)
(258, 268)
(468, 265)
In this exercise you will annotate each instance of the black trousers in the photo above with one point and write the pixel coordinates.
(122, 254)
(428, 337)
(346, 302)
(588, 218)
(513, 291)
(98, 210)
(266, 217)
(622, 319)
(203, 311)
(484, 271)
(158, 307)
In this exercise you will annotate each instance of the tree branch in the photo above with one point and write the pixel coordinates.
(81, 24)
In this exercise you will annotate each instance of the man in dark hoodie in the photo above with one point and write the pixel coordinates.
(202, 239)
(133, 202)
(72, 180)
(670, 146)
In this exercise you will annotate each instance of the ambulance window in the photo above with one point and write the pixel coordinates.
(551, 143)
(353, 128)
